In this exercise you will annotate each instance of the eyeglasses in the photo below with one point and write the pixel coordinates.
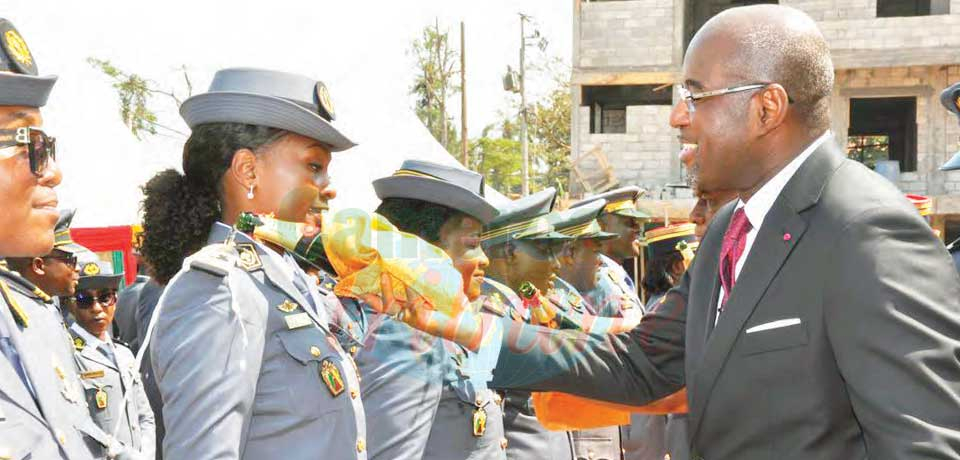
(70, 260)
(689, 98)
(41, 148)
(105, 299)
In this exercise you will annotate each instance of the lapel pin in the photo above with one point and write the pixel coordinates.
(787, 237)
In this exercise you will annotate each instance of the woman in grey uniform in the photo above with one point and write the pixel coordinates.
(241, 349)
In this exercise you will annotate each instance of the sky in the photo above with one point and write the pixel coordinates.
(359, 48)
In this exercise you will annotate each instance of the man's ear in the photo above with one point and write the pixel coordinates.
(773, 106)
(37, 266)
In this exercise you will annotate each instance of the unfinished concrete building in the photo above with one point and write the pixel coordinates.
(892, 59)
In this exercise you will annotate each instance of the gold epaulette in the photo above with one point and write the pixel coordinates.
(19, 315)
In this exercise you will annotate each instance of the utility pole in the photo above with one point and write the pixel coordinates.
(463, 96)
(525, 184)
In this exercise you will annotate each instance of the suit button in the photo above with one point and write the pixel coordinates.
(315, 352)
(361, 446)
(503, 443)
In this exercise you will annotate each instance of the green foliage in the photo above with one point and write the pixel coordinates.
(498, 159)
(434, 84)
(868, 149)
(549, 131)
(136, 93)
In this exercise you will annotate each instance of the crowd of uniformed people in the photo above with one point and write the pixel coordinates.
(234, 347)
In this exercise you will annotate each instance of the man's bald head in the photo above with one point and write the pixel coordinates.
(777, 44)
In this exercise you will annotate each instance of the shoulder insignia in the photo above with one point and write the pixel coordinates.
(79, 343)
(19, 315)
(493, 303)
(42, 295)
(217, 259)
(248, 259)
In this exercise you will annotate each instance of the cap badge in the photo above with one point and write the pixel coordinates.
(91, 269)
(17, 48)
(324, 102)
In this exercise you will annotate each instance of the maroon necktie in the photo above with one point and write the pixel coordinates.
(734, 242)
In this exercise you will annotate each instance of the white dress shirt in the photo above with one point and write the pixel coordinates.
(760, 203)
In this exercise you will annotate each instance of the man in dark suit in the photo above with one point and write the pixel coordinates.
(820, 318)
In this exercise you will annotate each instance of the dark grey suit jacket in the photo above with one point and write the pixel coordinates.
(864, 363)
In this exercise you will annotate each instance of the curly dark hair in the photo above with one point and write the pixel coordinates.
(657, 276)
(418, 217)
(179, 209)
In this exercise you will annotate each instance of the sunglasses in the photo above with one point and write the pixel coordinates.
(42, 149)
(105, 299)
(70, 260)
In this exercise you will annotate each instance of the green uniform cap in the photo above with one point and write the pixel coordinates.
(524, 219)
(621, 201)
(581, 222)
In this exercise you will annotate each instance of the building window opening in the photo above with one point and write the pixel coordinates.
(608, 104)
(697, 12)
(883, 129)
(903, 8)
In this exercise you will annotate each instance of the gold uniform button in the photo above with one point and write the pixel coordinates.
(354, 394)
(361, 446)
(503, 443)
(497, 399)
(353, 350)
(61, 438)
(315, 351)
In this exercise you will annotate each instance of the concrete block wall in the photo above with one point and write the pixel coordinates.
(853, 25)
(646, 154)
(937, 129)
(626, 34)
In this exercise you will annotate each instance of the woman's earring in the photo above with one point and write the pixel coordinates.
(250, 193)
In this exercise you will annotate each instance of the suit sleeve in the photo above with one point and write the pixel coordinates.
(892, 317)
(635, 367)
(206, 370)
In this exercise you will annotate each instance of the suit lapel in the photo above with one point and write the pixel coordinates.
(769, 253)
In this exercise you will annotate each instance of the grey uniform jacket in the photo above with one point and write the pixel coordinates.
(527, 439)
(846, 314)
(246, 365)
(56, 424)
(112, 378)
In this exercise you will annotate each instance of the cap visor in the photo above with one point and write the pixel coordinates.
(952, 164)
(634, 213)
(70, 248)
(26, 90)
(100, 282)
(258, 109)
(436, 191)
